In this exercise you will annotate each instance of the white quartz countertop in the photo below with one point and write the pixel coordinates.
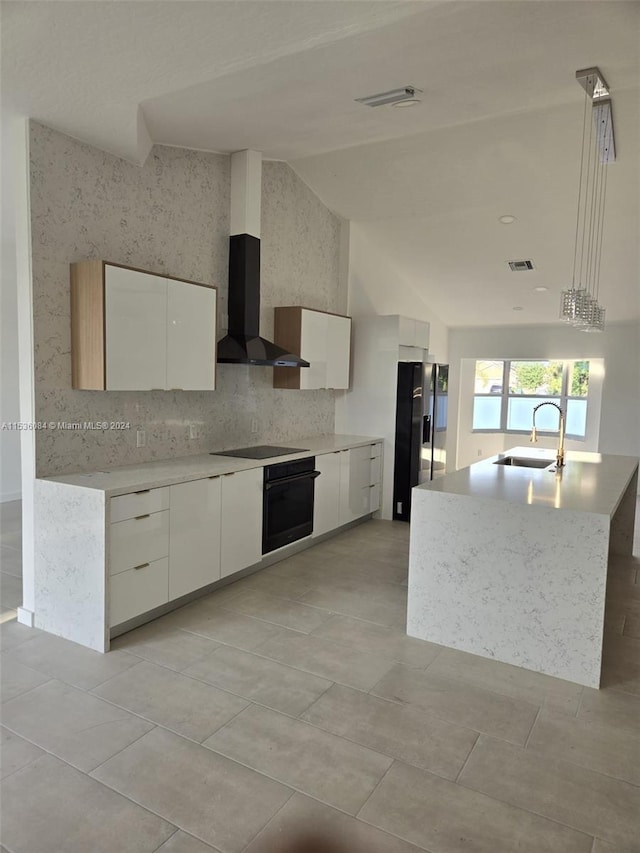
(166, 472)
(589, 482)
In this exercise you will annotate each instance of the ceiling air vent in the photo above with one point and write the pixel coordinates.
(520, 266)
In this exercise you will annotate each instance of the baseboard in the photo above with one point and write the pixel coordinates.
(5, 497)
(25, 617)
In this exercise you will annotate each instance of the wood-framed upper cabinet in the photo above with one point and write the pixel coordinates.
(322, 339)
(133, 330)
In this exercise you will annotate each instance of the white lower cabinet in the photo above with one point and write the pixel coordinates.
(137, 590)
(348, 486)
(326, 506)
(241, 520)
(194, 550)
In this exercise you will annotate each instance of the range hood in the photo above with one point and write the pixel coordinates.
(243, 343)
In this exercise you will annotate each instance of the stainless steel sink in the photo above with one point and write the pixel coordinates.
(524, 462)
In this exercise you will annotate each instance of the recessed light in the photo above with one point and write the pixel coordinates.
(540, 289)
(507, 219)
(518, 308)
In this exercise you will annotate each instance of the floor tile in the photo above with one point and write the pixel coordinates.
(460, 703)
(222, 626)
(303, 819)
(11, 556)
(200, 791)
(49, 806)
(186, 706)
(588, 801)
(604, 748)
(70, 662)
(281, 587)
(446, 818)
(390, 643)
(350, 603)
(285, 612)
(322, 765)
(326, 659)
(401, 731)
(14, 634)
(267, 682)
(611, 707)
(166, 646)
(10, 590)
(75, 726)
(508, 680)
(15, 678)
(180, 842)
(15, 752)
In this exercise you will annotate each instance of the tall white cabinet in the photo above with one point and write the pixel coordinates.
(138, 331)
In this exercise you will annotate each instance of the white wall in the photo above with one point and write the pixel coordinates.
(10, 488)
(619, 347)
(376, 288)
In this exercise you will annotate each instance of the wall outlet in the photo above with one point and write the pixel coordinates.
(194, 431)
(141, 438)
(254, 425)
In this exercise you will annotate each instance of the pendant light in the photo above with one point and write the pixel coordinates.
(579, 304)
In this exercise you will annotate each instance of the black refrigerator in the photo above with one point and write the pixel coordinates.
(421, 430)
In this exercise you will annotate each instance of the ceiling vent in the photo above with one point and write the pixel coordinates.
(520, 266)
(407, 94)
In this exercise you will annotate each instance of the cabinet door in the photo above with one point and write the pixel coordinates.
(241, 531)
(313, 348)
(326, 509)
(338, 351)
(194, 535)
(191, 336)
(354, 483)
(135, 330)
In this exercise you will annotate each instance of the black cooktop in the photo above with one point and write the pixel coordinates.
(261, 451)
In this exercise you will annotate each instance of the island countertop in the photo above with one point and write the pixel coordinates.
(589, 482)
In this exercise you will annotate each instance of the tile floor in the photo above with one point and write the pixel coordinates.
(292, 702)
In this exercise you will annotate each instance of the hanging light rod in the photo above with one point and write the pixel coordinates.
(593, 83)
(409, 94)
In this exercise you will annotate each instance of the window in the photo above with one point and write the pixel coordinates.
(506, 392)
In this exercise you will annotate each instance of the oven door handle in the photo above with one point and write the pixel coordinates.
(294, 479)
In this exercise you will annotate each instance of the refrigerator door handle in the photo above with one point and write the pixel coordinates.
(426, 429)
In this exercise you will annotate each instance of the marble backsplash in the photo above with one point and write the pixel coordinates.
(172, 216)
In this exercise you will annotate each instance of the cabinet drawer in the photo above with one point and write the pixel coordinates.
(138, 590)
(375, 469)
(138, 540)
(376, 449)
(139, 503)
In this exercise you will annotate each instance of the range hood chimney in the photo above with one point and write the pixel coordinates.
(243, 344)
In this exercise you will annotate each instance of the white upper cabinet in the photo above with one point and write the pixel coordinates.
(135, 330)
(191, 336)
(138, 331)
(411, 333)
(324, 340)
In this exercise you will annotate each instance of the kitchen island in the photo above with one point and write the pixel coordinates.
(510, 562)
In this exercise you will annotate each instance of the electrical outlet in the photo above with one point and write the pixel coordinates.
(254, 425)
(193, 431)
(141, 438)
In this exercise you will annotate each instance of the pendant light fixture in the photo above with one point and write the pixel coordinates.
(579, 305)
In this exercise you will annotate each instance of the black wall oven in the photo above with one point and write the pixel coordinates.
(287, 513)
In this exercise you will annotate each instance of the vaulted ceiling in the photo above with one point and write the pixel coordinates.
(498, 130)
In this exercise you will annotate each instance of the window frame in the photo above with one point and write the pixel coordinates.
(562, 399)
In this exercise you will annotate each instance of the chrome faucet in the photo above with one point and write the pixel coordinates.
(534, 436)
